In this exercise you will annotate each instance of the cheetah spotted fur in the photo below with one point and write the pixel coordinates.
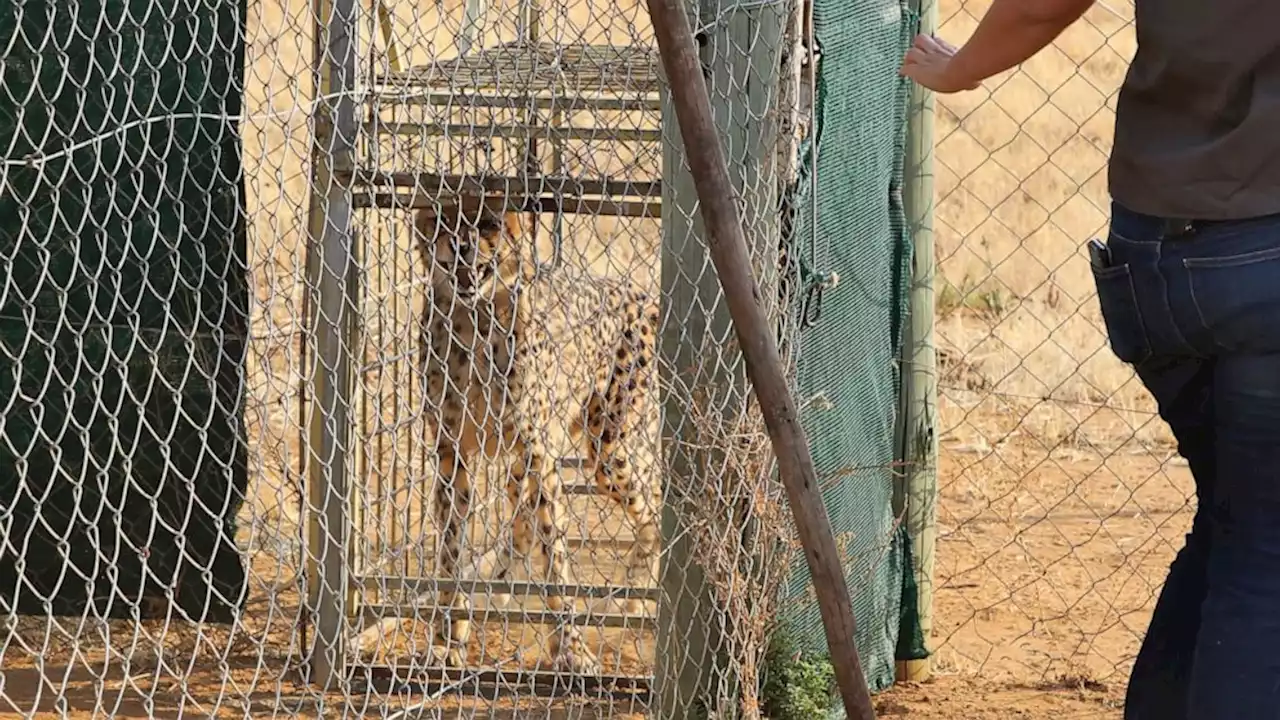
(479, 338)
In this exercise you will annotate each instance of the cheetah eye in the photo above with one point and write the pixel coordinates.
(487, 225)
(461, 252)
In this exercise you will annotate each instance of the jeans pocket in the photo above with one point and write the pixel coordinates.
(1238, 299)
(1126, 332)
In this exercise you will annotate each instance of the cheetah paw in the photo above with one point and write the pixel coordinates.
(449, 657)
(577, 661)
(572, 656)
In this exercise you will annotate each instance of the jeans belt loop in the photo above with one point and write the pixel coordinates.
(1175, 228)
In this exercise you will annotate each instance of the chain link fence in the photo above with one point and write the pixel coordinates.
(1062, 499)
(396, 385)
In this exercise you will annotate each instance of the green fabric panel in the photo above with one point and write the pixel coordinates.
(123, 314)
(911, 644)
(850, 357)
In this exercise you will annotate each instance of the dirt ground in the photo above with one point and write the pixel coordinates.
(952, 698)
(1048, 565)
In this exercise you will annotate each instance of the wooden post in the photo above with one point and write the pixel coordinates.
(743, 51)
(330, 270)
(727, 244)
(918, 448)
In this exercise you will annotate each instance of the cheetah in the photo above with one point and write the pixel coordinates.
(479, 336)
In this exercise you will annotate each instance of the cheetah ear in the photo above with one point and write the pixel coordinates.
(513, 224)
(516, 226)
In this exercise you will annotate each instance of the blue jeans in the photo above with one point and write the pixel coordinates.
(1196, 311)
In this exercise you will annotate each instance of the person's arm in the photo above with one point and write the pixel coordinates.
(1011, 32)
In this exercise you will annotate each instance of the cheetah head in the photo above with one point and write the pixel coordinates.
(472, 248)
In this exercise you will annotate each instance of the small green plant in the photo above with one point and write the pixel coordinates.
(988, 298)
(796, 687)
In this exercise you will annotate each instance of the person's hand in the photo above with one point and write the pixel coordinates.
(928, 62)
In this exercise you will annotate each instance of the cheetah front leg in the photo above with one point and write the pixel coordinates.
(539, 509)
(518, 544)
(453, 499)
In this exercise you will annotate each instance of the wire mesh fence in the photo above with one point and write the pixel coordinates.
(1061, 497)
(394, 384)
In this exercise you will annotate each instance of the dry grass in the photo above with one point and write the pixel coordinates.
(1021, 181)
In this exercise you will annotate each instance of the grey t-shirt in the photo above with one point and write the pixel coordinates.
(1198, 117)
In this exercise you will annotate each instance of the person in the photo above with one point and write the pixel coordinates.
(1188, 283)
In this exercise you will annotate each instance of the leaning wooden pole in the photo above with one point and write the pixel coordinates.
(727, 246)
